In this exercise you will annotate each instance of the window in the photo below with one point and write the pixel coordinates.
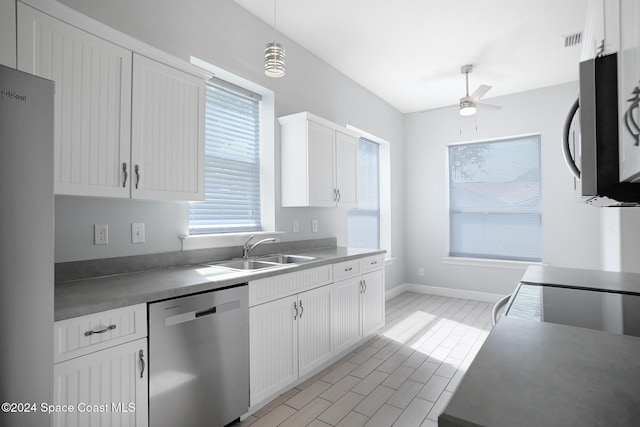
(494, 199)
(363, 224)
(232, 162)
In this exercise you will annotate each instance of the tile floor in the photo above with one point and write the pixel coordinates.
(402, 377)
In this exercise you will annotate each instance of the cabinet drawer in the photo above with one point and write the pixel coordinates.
(86, 334)
(347, 269)
(272, 288)
(372, 263)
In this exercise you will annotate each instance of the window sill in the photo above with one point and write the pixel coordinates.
(491, 263)
(208, 241)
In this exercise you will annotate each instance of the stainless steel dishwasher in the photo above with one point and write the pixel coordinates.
(199, 359)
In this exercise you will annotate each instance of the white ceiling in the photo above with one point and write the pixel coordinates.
(409, 52)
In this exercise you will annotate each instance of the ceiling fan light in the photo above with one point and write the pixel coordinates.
(467, 109)
(274, 57)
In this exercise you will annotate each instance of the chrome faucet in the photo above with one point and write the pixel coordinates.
(246, 249)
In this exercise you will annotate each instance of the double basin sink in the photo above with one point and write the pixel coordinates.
(268, 261)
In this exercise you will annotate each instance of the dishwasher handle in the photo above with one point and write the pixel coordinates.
(189, 316)
(206, 312)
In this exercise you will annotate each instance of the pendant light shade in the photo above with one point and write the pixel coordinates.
(274, 54)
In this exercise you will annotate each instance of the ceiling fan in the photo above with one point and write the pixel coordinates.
(469, 103)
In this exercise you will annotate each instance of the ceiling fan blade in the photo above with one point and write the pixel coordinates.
(479, 93)
(484, 106)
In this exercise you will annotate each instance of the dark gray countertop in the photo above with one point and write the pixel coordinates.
(80, 297)
(542, 374)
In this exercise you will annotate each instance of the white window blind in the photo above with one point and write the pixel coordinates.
(363, 224)
(232, 162)
(495, 194)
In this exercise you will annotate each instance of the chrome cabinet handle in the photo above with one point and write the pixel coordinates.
(124, 170)
(101, 331)
(348, 269)
(301, 309)
(141, 358)
(137, 171)
(364, 282)
(335, 194)
(339, 195)
(374, 262)
(295, 306)
(361, 286)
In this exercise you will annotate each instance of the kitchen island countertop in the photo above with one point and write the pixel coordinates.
(543, 374)
(86, 296)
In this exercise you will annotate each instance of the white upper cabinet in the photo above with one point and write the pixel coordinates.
(129, 119)
(92, 102)
(347, 169)
(167, 133)
(629, 90)
(319, 162)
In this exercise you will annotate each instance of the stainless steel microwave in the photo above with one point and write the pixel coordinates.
(590, 143)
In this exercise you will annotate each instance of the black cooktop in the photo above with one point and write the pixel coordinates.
(585, 308)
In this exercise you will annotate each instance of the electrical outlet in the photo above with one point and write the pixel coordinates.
(137, 232)
(314, 225)
(296, 226)
(421, 271)
(100, 234)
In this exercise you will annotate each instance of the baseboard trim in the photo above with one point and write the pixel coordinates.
(444, 292)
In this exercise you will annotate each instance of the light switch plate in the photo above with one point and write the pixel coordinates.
(314, 225)
(296, 226)
(137, 232)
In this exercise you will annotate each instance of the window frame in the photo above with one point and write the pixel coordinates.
(489, 261)
(267, 168)
(368, 212)
(384, 175)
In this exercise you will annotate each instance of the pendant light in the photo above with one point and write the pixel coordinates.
(274, 53)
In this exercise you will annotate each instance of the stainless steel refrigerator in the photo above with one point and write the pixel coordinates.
(26, 246)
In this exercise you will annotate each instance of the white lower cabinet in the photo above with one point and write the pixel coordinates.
(104, 388)
(372, 302)
(314, 329)
(298, 333)
(273, 344)
(357, 309)
(100, 369)
(346, 313)
(289, 337)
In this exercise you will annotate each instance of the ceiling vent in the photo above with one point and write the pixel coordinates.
(572, 39)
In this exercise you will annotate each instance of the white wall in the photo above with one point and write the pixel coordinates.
(570, 235)
(223, 34)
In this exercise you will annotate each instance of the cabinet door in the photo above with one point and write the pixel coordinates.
(347, 169)
(105, 388)
(321, 155)
(314, 329)
(92, 102)
(373, 302)
(167, 133)
(629, 90)
(273, 344)
(346, 314)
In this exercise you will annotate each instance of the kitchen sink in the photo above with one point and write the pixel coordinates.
(268, 261)
(287, 259)
(246, 264)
